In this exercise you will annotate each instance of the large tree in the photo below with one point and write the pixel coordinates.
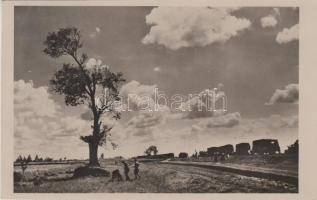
(84, 81)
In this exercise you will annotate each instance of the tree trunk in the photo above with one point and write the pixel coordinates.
(93, 154)
(93, 145)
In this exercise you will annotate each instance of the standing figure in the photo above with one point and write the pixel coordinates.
(116, 176)
(126, 171)
(136, 169)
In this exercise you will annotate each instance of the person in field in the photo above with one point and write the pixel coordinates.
(126, 171)
(136, 169)
(116, 176)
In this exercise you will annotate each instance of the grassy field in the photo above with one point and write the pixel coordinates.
(155, 178)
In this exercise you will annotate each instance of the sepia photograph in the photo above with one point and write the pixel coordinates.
(156, 99)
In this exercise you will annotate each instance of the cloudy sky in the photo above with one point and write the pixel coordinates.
(252, 52)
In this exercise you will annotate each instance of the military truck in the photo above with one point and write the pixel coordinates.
(226, 150)
(265, 147)
(243, 149)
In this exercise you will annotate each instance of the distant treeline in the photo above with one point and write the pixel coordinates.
(36, 159)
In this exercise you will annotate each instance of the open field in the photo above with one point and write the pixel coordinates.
(155, 178)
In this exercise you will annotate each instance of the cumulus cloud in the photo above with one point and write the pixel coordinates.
(39, 124)
(137, 96)
(33, 101)
(146, 119)
(139, 99)
(288, 34)
(201, 105)
(139, 128)
(271, 20)
(156, 69)
(226, 121)
(196, 108)
(289, 94)
(279, 121)
(148, 114)
(268, 21)
(96, 32)
(94, 64)
(134, 87)
(186, 27)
